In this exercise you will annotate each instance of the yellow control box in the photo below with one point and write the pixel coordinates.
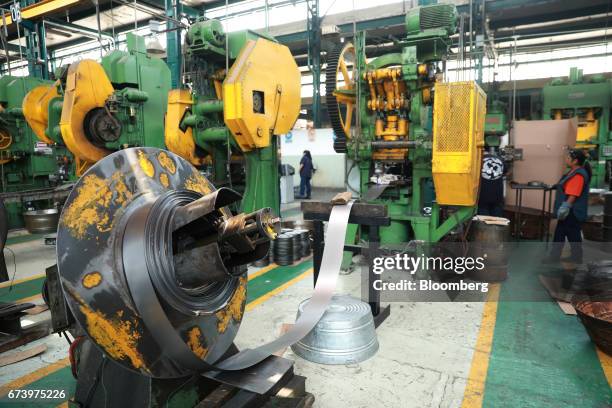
(458, 140)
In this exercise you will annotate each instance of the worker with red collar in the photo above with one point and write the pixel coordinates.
(571, 206)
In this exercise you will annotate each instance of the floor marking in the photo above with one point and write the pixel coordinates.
(606, 364)
(268, 268)
(278, 290)
(30, 298)
(8, 283)
(49, 369)
(475, 387)
(34, 376)
(262, 271)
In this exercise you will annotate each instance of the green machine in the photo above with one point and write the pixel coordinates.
(417, 142)
(27, 164)
(588, 100)
(496, 123)
(240, 91)
(97, 108)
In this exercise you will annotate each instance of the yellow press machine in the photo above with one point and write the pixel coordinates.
(229, 120)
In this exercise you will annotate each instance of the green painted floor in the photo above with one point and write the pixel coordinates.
(21, 290)
(62, 379)
(540, 357)
(18, 239)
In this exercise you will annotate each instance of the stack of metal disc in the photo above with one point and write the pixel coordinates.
(271, 252)
(297, 245)
(304, 242)
(283, 248)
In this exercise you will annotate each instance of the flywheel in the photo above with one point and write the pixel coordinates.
(340, 92)
(5, 139)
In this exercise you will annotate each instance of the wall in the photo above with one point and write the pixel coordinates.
(329, 164)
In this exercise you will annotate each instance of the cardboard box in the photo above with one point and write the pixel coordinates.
(544, 144)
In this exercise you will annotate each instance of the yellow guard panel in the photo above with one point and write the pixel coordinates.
(87, 87)
(458, 138)
(263, 69)
(177, 141)
(36, 109)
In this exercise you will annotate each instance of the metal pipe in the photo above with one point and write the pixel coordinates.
(213, 134)
(190, 120)
(135, 95)
(74, 28)
(212, 106)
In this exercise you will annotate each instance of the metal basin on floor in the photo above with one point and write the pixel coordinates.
(344, 335)
(41, 221)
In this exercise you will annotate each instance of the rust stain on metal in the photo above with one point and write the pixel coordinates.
(123, 194)
(145, 164)
(89, 206)
(163, 179)
(234, 309)
(166, 162)
(118, 337)
(195, 342)
(91, 280)
(198, 183)
(92, 203)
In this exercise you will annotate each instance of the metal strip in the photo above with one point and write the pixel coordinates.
(145, 298)
(316, 306)
(375, 191)
(169, 340)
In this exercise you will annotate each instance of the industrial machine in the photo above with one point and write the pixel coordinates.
(97, 108)
(150, 325)
(417, 140)
(588, 100)
(27, 164)
(496, 123)
(240, 90)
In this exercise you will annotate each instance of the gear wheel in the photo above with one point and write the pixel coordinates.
(337, 117)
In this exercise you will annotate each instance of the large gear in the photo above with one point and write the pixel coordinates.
(337, 116)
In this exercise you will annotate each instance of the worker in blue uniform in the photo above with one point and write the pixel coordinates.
(306, 171)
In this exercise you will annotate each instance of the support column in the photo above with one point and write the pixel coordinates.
(314, 58)
(262, 180)
(173, 41)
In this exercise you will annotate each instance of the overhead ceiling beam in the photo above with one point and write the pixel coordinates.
(75, 28)
(160, 5)
(77, 41)
(41, 9)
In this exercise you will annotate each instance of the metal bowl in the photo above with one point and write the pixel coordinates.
(597, 320)
(345, 334)
(298, 224)
(41, 221)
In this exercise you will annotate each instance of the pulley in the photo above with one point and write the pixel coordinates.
(143, 223)
(87, 88)
(101, 127)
